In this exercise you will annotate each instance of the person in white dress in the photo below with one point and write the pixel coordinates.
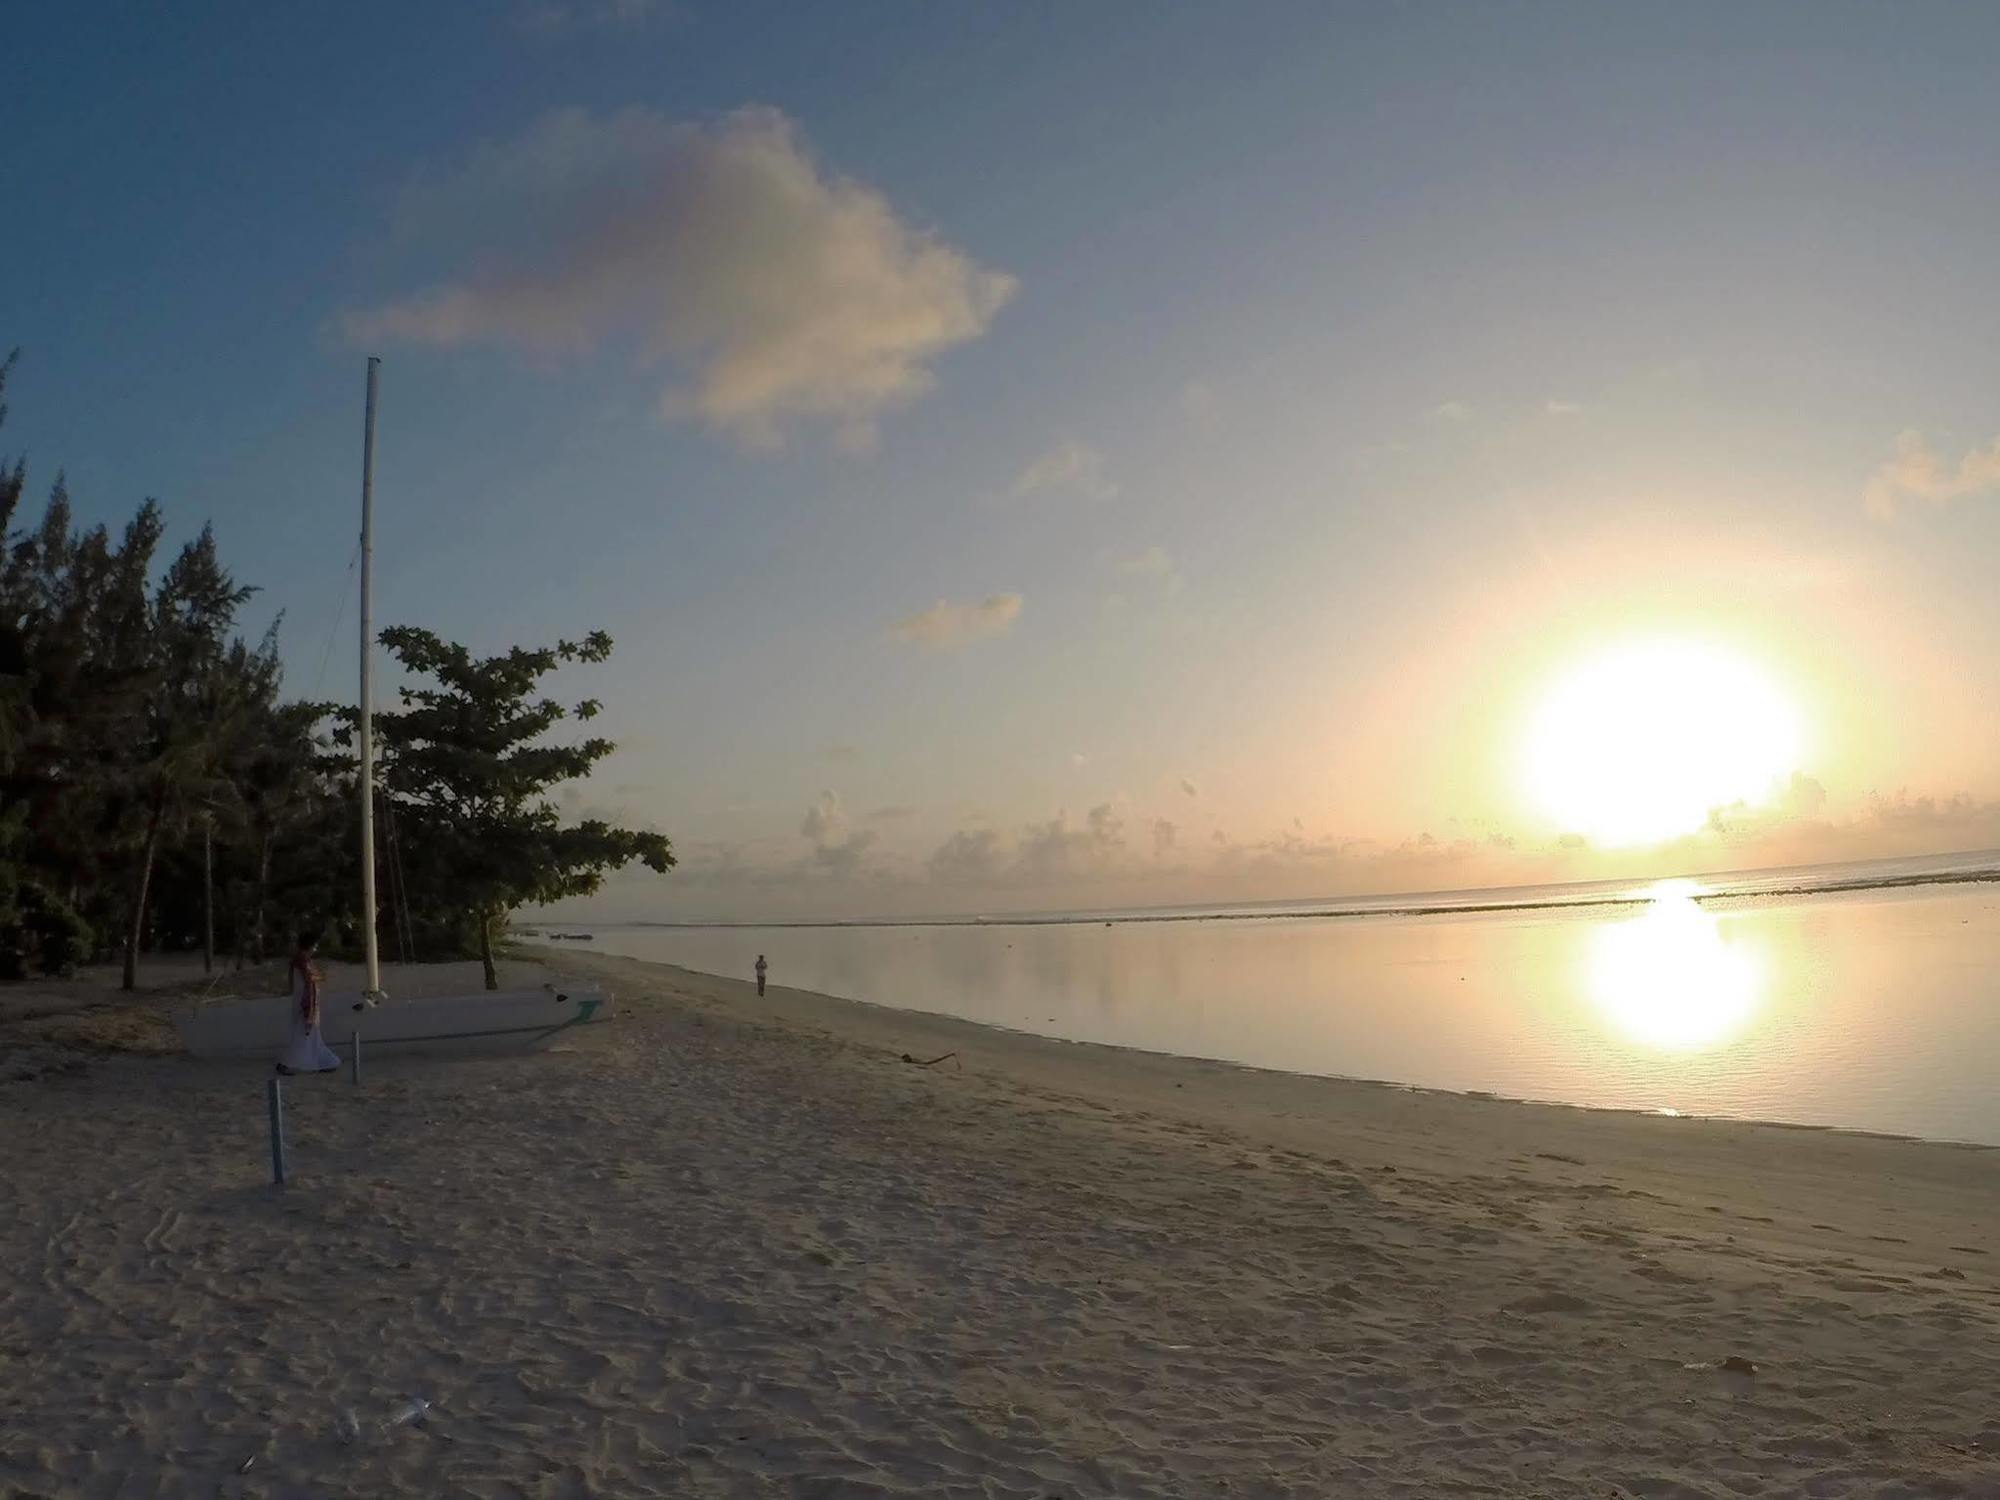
(304, 1051)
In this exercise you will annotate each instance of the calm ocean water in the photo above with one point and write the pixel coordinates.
(1840, 995)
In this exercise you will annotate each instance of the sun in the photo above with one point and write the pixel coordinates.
(1640, 741)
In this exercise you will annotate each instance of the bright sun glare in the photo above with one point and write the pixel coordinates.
(1638, 742)
(1669, 978)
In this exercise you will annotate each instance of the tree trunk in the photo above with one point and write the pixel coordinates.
(263, 886)
(207, 895)
(138, 928)
(486, 949)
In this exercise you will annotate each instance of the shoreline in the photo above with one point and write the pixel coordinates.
(553, 956)
(1276, 1105)
(722, 1245)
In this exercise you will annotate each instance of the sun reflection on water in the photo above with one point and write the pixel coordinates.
(1668, 978)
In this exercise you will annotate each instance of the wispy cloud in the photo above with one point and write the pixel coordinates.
(1069, 468)
(946, 625)
(1558, 408)
(1452, 411)
(1916, 474)
(1189, 787)
(778, 292)
(1154, 562)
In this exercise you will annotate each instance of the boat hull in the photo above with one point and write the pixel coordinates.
(453, 1025)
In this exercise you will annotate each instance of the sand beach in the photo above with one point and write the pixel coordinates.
(728, 1246)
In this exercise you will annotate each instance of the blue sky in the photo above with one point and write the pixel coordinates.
(1273, 395)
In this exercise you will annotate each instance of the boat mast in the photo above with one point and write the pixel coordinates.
(367, 718)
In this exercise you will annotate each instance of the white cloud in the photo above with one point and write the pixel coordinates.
(1452, 411)
(1069, 468)
(946, 625)
(1918, 474)
(777, 292)
(1556, 408)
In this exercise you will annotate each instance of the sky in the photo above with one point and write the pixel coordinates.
(1043, 455)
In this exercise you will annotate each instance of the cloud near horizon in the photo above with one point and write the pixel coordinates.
(779, 293)
(1916, 474)
(946, 625)
(1061, 861)
(837, 847)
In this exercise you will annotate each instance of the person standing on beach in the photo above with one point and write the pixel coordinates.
(304, 1051)
(761, 967)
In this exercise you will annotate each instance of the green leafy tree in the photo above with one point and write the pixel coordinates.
(471, 759)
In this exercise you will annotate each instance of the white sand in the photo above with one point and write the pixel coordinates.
(725, 1246)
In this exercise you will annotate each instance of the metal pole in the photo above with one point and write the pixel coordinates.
(208, 892)
(275, 1090)
(367, 716)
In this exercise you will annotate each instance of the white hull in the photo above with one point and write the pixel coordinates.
(497, 1021)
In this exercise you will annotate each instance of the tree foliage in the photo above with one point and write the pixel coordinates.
(125, 701)
(158, 792)
(470, 763)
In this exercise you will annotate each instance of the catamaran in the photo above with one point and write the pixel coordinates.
(484, 1021)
